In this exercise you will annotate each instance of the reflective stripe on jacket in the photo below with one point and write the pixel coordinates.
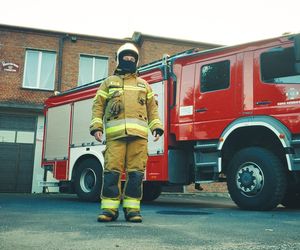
(138, 112)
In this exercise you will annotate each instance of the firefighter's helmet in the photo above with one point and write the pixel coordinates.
(127, 49)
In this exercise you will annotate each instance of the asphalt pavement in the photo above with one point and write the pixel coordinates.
(173, 221)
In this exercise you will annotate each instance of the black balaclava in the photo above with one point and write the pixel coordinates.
(126, 67)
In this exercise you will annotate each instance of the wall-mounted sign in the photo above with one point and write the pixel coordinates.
(9, 67)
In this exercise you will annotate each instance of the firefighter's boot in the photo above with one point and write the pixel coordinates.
(133, 195)
(108, 215)
(133, 215)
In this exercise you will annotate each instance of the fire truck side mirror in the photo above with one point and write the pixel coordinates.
(297, 53)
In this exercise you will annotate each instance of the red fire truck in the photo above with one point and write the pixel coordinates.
(230, 114)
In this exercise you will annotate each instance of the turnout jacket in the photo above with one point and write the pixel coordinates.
(137, 110)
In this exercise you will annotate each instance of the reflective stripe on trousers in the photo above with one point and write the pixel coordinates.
(131, 203)
(110, 204)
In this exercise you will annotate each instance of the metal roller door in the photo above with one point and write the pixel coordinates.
(17, 137)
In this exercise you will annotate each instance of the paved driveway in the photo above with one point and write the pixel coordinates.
(174, 221)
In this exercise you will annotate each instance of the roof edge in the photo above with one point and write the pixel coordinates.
(59, 33)
(138, 37)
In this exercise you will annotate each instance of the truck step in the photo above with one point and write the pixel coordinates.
(48, 184)
(211, 164)
(206, 177)
(203, 159)
(296, 160)
(295, 142)
(207, 146)
(204, 181)
(206, 173)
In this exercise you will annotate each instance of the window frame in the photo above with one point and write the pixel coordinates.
(261, 64)
(38, 83)
(228, 71)
(94, 57)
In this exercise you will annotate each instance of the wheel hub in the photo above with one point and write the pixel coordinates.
(88, 180)
(250, 179)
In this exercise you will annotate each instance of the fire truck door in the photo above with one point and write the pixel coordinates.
(276, 83)
(214, 96)
(155, 148)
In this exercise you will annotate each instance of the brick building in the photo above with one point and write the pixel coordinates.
(36, 63)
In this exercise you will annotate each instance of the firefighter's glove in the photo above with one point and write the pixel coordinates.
(158, 131)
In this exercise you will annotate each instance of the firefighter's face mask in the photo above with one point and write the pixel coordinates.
(127, 63)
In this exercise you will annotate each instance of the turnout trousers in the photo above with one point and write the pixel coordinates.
(127, 154)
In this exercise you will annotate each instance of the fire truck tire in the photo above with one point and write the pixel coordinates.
(291, 199)
(88, 180)
(256, 179)
(151, 191)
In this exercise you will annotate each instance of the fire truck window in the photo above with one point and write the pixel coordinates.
(277, 66)
(215, 76)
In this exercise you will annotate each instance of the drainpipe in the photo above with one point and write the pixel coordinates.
(62, 39)
(60, 56)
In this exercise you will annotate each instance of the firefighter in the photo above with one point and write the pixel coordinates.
(125, 107)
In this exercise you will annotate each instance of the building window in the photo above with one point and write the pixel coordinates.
(215, 76)
(278, 66)
(7, 136)
(25, 137)
(92, 68)
(39, 71)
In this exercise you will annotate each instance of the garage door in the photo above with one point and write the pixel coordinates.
(17, 134)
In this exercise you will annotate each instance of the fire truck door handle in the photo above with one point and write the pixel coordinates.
(201, 110)
(263, 103)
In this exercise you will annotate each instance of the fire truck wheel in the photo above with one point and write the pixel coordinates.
(88, 180)
(151, 191)
(256, 179)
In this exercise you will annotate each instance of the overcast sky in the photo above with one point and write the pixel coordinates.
(225, 22)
